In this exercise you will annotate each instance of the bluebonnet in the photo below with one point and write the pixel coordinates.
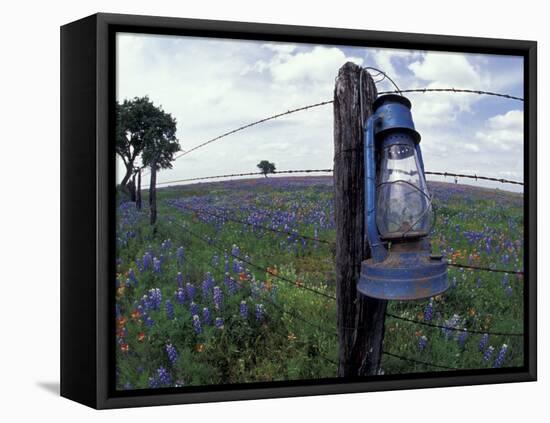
(488, 353)
(215, 260)
(148, 321)
(243, 309)
(117, 310)
(157, 265)
(428, 311)
(226, 265)
(462, 338)
(235, 251)
(260, 311)
(483, 342)
(169, 307)
(219, 322)
(422, 342)
(153, 299)
(207, 285)
(191, 291)
(505, 280)
(233, 286)
(154, 383)
(132, 277)
(509, 291)
(206, 316)
(147, 261)
(180, 296)
(181, 255)
(193, 308)
(478, 282)
(237, 268)
(179, 279)
(205, 289)
(499, 361)
(172, 353)
(218, 298)
(197, 324)
(162, 378)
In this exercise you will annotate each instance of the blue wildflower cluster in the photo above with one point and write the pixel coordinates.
(172, 353)
(499, 361)
(243, 310)
(161, 380)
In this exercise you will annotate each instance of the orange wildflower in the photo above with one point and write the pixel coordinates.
(136, 314)
(199, 348)
(121, 321)
(141, 336)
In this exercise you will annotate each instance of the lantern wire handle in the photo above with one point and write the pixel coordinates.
(380, 72)
(384, 76)
(430, 204)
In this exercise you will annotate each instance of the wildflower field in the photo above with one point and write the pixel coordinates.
(236, 284)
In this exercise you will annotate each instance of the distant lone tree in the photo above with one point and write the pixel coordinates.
(266, 167)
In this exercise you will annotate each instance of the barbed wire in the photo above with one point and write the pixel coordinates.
(486, 269)
(261, 268)
(419, 322)
(232, 175)
(298, 316)
(323, 103)
(257, 122)
(413, 360)
(277, 172)
(271, 301)
(452, 90)
(474, 176)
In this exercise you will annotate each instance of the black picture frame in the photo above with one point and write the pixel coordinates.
(87, 208)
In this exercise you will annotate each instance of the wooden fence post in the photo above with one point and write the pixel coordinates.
(360, 318)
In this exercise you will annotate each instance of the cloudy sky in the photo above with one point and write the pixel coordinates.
(212, 86)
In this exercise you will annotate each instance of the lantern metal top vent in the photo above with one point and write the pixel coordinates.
(398, 209)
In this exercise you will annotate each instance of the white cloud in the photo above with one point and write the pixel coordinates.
(215, 85)
(446, 69)
(504, 131)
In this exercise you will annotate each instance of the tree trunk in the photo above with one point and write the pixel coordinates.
(153, 194)
(138, 190)
(129, 170)
(360, 318)
(131, 185)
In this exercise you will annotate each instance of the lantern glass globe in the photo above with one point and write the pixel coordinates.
(403, 206)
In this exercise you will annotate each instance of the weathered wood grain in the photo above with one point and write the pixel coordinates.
(360, 319)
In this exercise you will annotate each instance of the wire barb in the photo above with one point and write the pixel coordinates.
(419, 322)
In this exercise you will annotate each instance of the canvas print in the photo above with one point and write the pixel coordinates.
(227, 226)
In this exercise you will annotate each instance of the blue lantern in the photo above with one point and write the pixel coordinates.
(398, 209)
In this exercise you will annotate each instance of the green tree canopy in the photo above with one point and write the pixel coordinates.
(144, 129)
